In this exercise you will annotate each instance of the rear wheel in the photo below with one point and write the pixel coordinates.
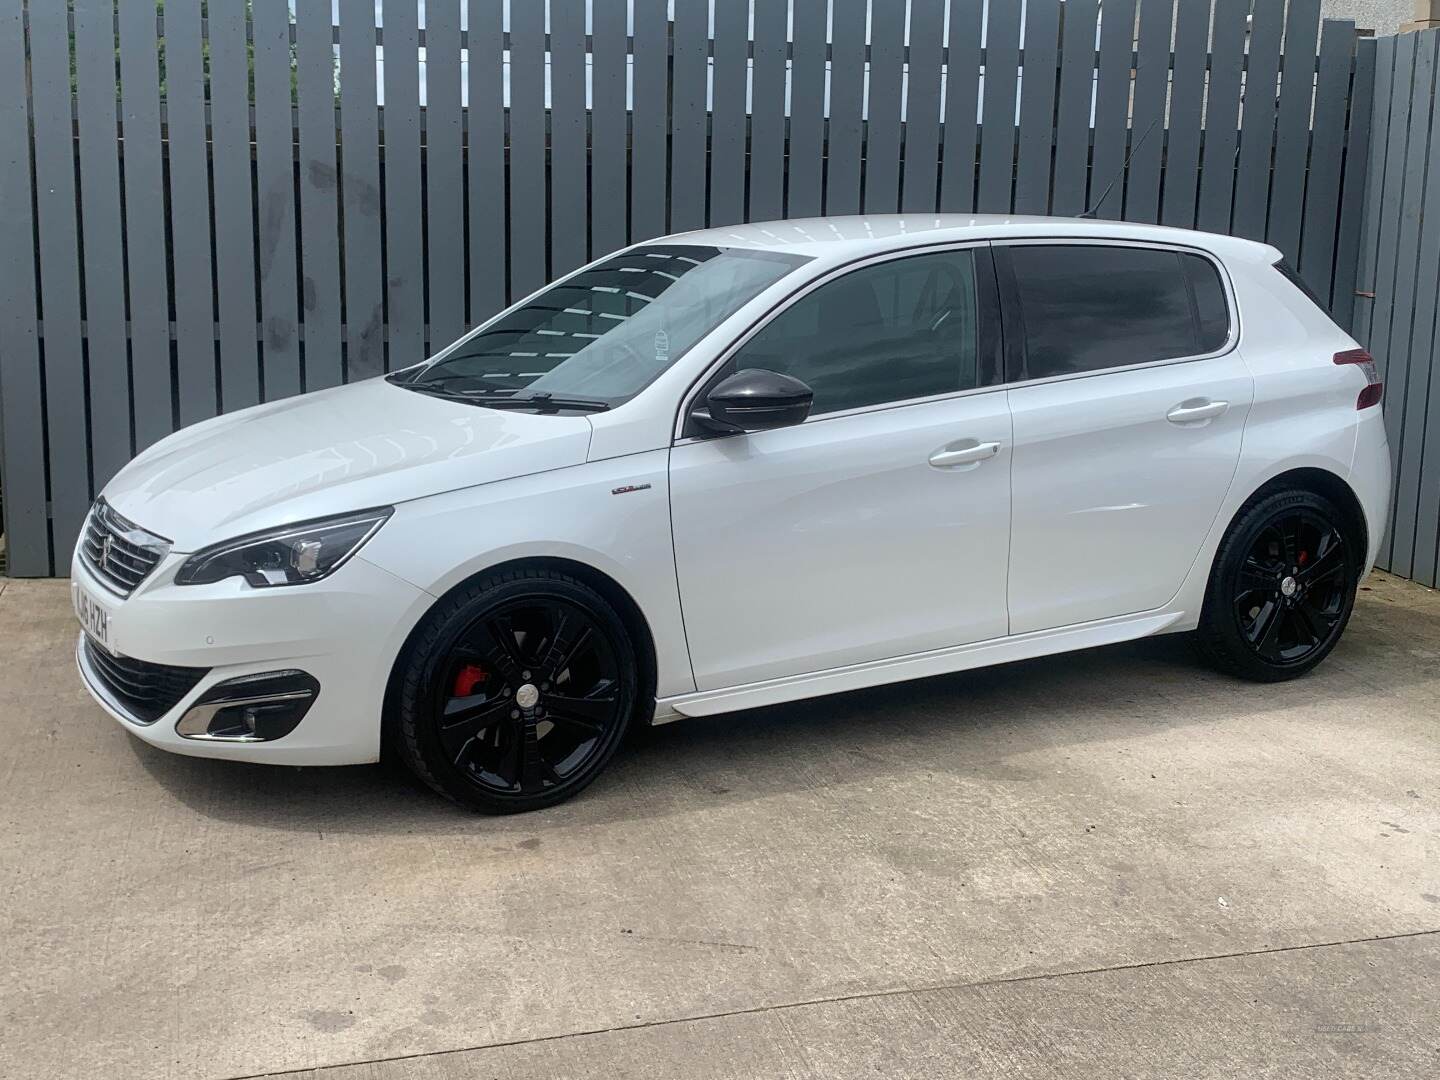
(516, 692)
(1282, 587)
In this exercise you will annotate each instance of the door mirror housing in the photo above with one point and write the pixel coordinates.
(754, 400)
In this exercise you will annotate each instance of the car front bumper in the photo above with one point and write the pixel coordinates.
(343, 631)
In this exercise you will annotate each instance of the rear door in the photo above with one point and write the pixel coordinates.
(1129, 401)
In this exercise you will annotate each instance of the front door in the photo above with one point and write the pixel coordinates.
(879, 527)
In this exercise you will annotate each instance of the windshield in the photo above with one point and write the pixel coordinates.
(602, 336)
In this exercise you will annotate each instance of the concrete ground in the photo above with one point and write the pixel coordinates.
(1108, 864)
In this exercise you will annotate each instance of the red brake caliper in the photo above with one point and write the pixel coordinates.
(467, 678)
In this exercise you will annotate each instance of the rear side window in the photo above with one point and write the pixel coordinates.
(1090, 307)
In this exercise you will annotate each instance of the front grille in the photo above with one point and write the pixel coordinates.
(146, 691)
(120, 552)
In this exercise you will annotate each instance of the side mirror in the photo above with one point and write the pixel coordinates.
(755, 400)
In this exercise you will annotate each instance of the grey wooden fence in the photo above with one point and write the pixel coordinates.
(178, 248)
(1395, 312)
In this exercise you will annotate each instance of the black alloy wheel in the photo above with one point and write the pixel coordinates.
(517, 692)
(1282, 588)
(1291, 592)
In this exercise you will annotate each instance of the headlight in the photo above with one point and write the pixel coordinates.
(294, 555)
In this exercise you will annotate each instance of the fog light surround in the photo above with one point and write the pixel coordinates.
(251, 708)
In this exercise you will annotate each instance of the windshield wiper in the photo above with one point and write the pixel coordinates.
(541, 401)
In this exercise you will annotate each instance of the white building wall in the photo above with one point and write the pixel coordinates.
(1381, 16)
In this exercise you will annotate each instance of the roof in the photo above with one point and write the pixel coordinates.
(851, 237)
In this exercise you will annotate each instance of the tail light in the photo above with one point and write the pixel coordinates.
(1362, 359)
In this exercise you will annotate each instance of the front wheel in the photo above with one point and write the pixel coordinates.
(516, 691)
(1282, 587)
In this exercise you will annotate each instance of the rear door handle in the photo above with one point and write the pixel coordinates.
(1196, 410)
(963, 452)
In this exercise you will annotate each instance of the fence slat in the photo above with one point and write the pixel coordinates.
(1392, 209)
(234, 214)
(1037, 107)
(360, 198)
(1112, 97)
(648, 121)
(767, 115)
(59, 274)
(1327, 153)
(22, 431)
(1427, 525)
(485, 161)
(962, 99)
(1222, 112)
(1413, 554)
(997, 124)
(687, 115)
(104, 261)
(145, 269)
(1426, 560)
(608, 150)
(1072, 129)
(922, 106)
(1187, 100)
(195, 364)
(1367, 210)
(882, 128)
(847, 100)
(275, 183)
(1292, 128)
(1392, 79)
(1147, 137)
(806, 160)
(1395, 296)
(404, 240)
(319, 204)
(727, 119)
(445, 177)
(1355, 210)
(1257, 123)
(568, 224)
(527, 148)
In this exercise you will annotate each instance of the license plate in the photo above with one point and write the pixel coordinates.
(93, 616)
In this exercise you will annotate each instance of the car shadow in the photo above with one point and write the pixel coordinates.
(981, 723)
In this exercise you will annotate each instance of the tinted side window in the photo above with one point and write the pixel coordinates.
(901, 329)
(1085, 308)
(1212, 315)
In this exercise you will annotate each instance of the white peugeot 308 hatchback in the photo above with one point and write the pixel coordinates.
(740, 467)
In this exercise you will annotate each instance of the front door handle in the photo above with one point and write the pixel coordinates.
(964, 452)
(1196, 411)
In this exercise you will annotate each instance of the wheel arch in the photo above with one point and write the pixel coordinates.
(615, 594)
(1321, 482)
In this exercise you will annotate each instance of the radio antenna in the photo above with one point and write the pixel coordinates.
(1093, 210)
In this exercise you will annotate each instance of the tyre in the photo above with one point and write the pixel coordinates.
(515, 691)
(1282, 587)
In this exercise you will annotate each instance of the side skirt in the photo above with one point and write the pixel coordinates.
(915, 666)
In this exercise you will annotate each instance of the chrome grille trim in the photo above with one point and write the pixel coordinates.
(119, 552)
